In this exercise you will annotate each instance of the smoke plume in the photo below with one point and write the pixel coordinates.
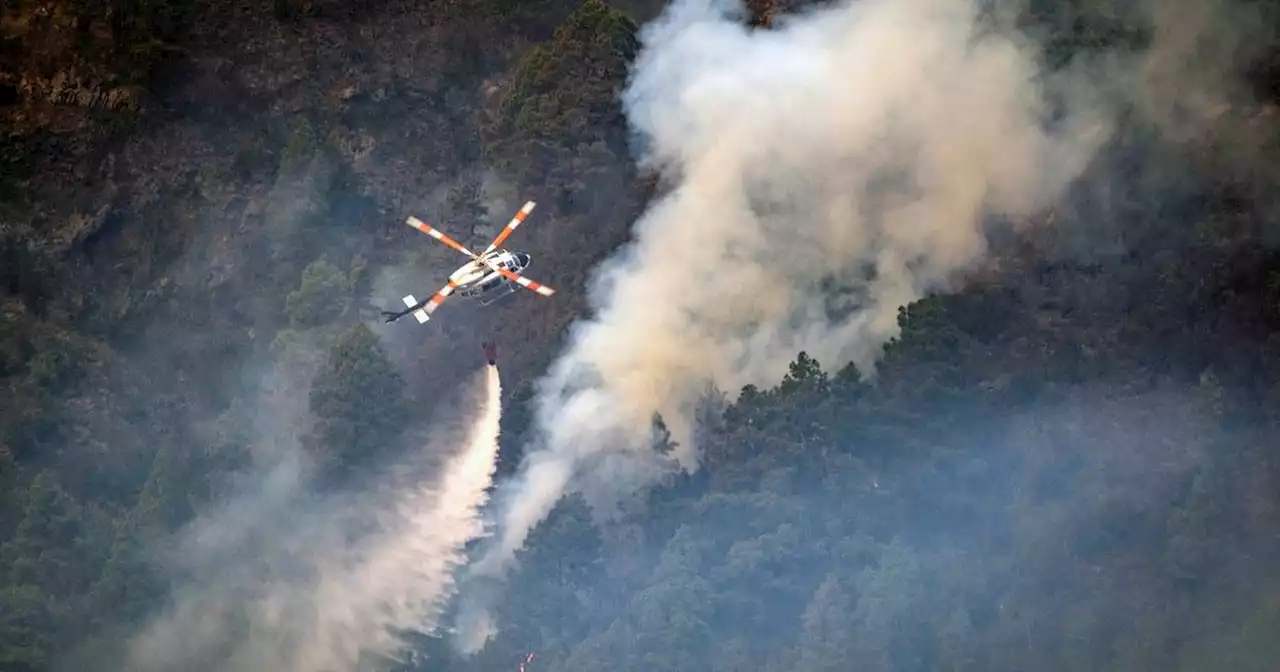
(822, 174)
(314, 600)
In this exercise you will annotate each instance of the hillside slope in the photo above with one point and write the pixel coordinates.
(201, 199)
(1066, 464)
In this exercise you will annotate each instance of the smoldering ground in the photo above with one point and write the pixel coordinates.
(865, 146)
(287, 577)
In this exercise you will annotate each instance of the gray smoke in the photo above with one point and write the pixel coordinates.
(307, 587)
(823, 175)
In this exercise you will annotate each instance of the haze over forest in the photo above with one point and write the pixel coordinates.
(888, 335)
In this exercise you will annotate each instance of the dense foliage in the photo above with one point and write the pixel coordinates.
(1067, 465)
(1062, 522)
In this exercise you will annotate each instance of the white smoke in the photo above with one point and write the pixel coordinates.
(405, 581)
(325, 606)
(825, 174)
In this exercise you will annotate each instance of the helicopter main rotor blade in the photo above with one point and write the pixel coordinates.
(439, 235)
(511, 226)
(522, 281)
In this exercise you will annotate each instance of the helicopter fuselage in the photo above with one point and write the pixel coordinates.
(476, 279)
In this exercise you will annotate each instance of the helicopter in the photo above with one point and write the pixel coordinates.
(489, 276)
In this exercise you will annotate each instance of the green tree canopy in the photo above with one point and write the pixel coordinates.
(564, 98)
(358, 400)
(325, 293)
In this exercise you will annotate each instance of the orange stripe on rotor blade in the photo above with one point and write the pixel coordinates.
(539, 288)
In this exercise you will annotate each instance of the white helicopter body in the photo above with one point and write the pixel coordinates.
(488, 276)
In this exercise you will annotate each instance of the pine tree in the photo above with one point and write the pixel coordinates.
(358, 400)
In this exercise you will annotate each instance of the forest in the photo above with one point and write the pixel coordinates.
(1058, 461)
